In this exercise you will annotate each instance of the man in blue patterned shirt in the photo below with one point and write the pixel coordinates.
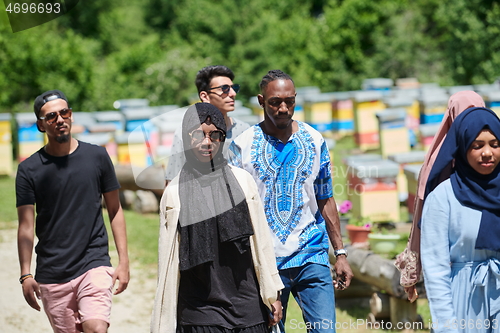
(290, 163)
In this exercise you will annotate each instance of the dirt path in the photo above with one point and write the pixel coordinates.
(131, 310)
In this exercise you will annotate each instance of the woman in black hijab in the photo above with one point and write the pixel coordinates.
(217, 271)
(460, 245)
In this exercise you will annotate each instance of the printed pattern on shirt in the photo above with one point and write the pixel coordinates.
(308, 241)
(283, 168)
(323, 183)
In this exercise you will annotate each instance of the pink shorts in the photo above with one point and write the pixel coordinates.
(88, 296)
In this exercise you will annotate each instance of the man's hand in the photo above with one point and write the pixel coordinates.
(344, 273)
(277, 313)
(119, 229)
(31, 292)
(122, 274)
(328, 209)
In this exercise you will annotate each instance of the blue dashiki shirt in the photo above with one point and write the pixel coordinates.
(290, 176)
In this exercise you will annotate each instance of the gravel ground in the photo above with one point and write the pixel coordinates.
(131, 310)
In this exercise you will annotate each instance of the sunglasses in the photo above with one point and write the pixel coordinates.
(276, 102)
(51, 117)
(214, 136)
(226, 88)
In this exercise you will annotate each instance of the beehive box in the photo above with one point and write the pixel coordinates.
(432, 107)
(372, 188)
(132, 149)
(6, 167)
(393, 135)
(318, 110)
(427, 133)
(29, 138)
(411, 172)
(415, 157)
(366, 106)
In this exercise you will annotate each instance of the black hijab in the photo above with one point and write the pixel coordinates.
(213, 205)
(472, 189)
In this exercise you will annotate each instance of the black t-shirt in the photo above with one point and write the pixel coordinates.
(67, 193)
(223, 293)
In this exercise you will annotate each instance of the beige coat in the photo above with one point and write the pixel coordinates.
(164, 318)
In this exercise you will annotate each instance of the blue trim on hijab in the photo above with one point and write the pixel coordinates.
(480, 192)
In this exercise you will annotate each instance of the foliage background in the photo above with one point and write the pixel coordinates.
(106, 50)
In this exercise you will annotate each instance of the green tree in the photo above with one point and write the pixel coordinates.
(464, 38)
(107, 50)
(45, 58)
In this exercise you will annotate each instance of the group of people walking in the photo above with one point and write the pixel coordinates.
(247, 217)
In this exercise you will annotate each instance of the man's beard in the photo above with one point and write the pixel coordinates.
(63, 138)
(284, 126)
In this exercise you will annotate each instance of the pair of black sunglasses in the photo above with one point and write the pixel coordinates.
(214, 136)
(276, 102)
(226, 88)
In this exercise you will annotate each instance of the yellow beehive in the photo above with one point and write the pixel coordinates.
(343, 114)
(394, 140)
(131, 149)
(372, 188)
(366, 105)
(393, 134)
(415, 157)
(378, 206)
(6, 167)
(29, 138)
(365, 116)
(138, 155)
(26, 149)
(318, 110)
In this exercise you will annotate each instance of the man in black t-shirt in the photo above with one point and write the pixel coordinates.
(64, 183)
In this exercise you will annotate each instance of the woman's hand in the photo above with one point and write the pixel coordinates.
(276, 314)
(412, 293)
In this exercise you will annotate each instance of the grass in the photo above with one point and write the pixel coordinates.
(8, 212)
(142, 232)
(352, 320)
(142, 241)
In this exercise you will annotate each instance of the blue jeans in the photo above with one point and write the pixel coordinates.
(312, 287)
